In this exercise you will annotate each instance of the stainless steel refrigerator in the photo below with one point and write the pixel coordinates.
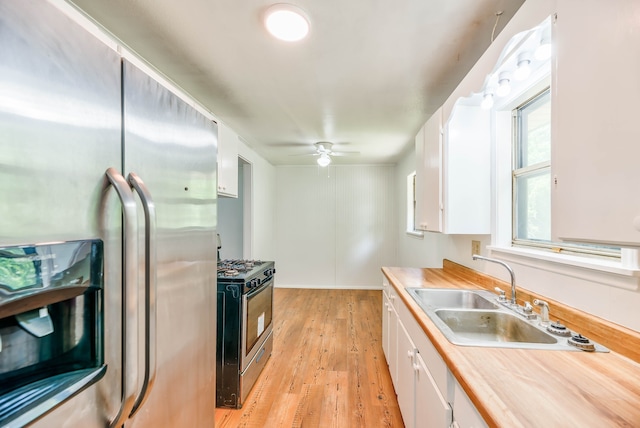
(93, 150)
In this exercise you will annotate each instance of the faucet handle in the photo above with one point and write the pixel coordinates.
(501, 294)
(527, 308)
(544, 310)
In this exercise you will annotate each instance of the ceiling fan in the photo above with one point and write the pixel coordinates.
(324, 153)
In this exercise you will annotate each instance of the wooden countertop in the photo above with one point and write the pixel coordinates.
(529, 388)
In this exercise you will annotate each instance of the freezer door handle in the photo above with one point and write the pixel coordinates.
(130, 296)
(150, 288)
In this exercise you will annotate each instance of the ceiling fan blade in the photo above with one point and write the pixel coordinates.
(344, 153)
(306, 154)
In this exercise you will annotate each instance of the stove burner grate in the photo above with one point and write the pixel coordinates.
(239, 265)
(231, 272)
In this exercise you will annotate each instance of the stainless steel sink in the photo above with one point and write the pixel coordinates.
(452, 298)
(477, 318)
(492, 326)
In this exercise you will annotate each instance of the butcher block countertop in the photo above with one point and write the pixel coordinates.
(535, 388)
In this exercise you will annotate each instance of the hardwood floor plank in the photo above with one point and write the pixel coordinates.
(327, 368)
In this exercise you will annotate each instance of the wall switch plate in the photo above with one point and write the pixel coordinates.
(475, 247)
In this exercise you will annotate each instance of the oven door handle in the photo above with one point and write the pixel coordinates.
(150, 284)
(130, 295)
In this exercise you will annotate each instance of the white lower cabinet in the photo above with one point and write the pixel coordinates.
(438, 413)
(390, 336)
(405, 387)
(428, 395)
(390, 329)
(464, 412)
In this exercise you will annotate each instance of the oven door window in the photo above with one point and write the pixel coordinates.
(259, 306)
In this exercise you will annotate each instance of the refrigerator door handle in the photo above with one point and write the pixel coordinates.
(150, 274)
(130, 296)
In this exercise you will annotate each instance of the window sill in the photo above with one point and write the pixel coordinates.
(415, 233)
(595, 270)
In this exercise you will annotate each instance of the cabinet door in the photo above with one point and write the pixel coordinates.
(595, 148)
(227, 161)
(405, 385)
(466, 414)
(467, 171)
(391, 319)
(429, 175)
(386, 315)
(432, 410)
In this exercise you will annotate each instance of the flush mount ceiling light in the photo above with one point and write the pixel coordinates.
(324, 160)
(286, 22)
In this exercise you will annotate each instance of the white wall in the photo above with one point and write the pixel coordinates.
(230, 222)
(335, 226)
(263, 208)
(414, 251)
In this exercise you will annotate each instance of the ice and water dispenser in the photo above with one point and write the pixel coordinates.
(51, 323)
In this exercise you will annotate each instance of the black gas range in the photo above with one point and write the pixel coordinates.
(245, 315)
(250, 273)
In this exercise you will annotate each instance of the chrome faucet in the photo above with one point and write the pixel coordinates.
(513, 276)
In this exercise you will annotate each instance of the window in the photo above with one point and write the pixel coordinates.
(532, 180)
(532, 169)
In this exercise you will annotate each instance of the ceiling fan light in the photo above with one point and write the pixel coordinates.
(324, 160)
(286, 22)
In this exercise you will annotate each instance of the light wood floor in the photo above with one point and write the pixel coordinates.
(327, 368)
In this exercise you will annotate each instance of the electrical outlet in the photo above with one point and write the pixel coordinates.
(475, 247)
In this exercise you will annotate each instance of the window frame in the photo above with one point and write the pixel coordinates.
(578, 249)
(540, 168)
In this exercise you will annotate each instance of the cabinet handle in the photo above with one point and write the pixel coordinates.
(409, 354)
(416, 368)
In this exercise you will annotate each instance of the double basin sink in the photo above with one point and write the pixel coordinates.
(475, 318)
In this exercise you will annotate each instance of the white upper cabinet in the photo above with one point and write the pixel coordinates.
(453, 176)
(227, 161)
(466, 171)
(595, 126)
(429, 175)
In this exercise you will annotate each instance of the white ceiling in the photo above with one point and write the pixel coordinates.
(370, 73)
